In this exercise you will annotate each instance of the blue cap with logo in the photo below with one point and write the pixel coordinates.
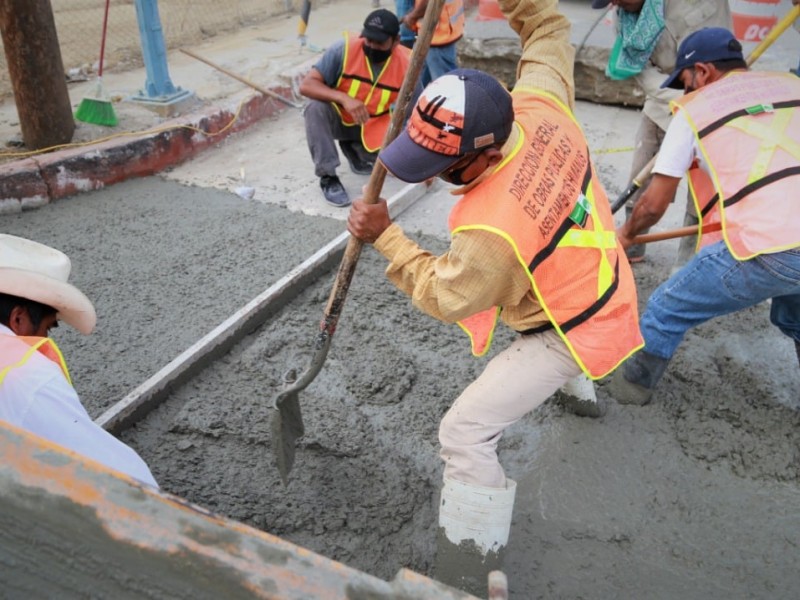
(705, 45)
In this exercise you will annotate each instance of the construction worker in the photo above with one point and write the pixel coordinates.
(441, 57)
(532, 242)
(36, 392)
(352, 90)
(737, 133)
(649, 32)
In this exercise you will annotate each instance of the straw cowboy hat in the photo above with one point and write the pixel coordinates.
(37, 272)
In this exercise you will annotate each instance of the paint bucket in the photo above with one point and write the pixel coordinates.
(489, 10)
(753, 19)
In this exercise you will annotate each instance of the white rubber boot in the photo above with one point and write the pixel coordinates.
(578, 396)
(474, 522)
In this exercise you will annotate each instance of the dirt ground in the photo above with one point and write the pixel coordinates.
(695, 496)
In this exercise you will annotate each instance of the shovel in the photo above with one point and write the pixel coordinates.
(287, 422)
(774, 34)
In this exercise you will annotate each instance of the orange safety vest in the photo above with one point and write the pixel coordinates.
(357, 80)
(747, 127)
(547, 203)
(450, 27)
(17, 350)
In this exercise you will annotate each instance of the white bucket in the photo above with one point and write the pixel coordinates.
(753, 19)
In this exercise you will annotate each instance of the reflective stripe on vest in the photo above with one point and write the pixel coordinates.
(451, 23)
(377, 94)
(747, 127)
(16, 350)
(555, 215)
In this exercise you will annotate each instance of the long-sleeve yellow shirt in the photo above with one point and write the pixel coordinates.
(480, 270)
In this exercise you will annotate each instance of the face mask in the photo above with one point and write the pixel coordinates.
(456, 176)
(375, 55)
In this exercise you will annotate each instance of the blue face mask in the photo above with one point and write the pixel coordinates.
(375, 55)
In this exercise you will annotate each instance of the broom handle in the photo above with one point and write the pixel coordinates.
(103, 40)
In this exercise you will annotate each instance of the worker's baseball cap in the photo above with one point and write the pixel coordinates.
(380, 25)
(703, 46)
(37, 272)
(600, 3)
(460, 112)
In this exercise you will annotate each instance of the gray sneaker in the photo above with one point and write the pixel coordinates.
(334, 191)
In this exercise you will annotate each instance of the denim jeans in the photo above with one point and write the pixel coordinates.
(713, 284)
(440, 60)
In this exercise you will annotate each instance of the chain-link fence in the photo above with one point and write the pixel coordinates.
(79, 25)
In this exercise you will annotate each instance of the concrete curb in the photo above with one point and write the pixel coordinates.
(33, 182)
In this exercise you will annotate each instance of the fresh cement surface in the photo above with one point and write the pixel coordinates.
(694, 496)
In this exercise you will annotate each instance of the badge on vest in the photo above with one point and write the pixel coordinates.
(581, 211)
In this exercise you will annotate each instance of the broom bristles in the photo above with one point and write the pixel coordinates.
(97, 110)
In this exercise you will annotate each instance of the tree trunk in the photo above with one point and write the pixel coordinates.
(37, 72)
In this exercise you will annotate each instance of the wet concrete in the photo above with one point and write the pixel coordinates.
(694, 496)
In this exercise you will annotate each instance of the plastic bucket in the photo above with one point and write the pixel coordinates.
(753, 19)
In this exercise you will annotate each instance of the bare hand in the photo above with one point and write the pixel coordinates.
(368, 221)
(624, 238)
(357, 109)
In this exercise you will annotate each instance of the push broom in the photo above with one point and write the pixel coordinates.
(98, 109)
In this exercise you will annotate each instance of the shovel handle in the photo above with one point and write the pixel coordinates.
(373, 189)
(674, 233)
(769, 39)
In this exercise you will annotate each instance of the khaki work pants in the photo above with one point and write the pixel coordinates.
(515, 382)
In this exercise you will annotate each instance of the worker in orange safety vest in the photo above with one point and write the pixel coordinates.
(532, 244)
(441, 57)
(352, 91)
(737, 133)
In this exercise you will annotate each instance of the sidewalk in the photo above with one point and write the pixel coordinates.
(269, 55)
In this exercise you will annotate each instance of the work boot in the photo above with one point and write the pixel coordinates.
(687, 246)
(578, 397)
(358, 165)
(634, 382)
(634, 253)
(474, 523)
(334, 191)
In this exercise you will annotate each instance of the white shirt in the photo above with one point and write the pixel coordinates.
(678, 149)
(38, 398)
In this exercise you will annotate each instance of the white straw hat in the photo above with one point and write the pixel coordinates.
(37, 272)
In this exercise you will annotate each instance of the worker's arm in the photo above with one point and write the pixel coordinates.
(650, 207)
(415, 14)
(548, 58)
(313, 86)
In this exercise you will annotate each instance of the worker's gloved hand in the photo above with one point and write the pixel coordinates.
(368, 221)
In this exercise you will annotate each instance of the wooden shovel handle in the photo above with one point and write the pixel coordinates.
(674, 233)
(373, 189)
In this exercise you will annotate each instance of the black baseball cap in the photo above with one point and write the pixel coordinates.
(380, 25)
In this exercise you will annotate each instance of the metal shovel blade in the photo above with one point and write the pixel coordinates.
(287, 426)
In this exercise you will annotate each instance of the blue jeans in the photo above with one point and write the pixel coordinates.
(713, 284)
(440, 60)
